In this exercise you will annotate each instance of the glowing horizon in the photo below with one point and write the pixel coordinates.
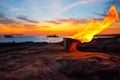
(52, 16)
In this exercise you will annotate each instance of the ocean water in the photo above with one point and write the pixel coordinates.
(39, 38)
(24, 38)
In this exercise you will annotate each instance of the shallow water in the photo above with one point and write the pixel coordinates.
(24, 38)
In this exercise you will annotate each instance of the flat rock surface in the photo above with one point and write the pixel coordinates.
(51, 62)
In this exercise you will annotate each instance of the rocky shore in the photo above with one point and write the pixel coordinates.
(97, 60)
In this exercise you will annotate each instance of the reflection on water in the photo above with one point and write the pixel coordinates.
(23, 38)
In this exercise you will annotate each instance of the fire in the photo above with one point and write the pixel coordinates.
(95, 27)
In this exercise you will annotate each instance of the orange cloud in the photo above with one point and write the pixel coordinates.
(62, 26)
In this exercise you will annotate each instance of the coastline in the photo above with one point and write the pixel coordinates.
(95, 60)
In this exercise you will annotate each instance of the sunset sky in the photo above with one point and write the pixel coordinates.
(53, 16)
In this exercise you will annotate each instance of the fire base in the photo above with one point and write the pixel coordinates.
(70, 45)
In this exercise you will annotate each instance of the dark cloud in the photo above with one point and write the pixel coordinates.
(34, 26)
(25, 18)
(71, 20)
(100, 14)
(5, 20)
(54, 22)
(2, 15)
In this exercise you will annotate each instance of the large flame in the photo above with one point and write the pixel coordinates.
(95, 27)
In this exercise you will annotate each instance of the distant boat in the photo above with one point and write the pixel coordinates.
(8, 36)
(52, 36)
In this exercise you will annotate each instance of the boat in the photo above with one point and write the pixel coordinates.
(52, 36)
(8, 36)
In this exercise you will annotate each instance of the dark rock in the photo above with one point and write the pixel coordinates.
(44, 61)
(101, 45)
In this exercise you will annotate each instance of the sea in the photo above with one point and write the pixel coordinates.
(28, 38)
(37, 38)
